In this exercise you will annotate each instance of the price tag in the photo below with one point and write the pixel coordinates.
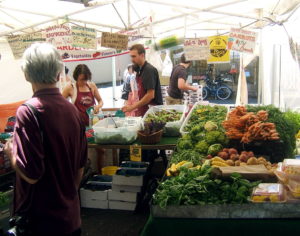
(135, 153)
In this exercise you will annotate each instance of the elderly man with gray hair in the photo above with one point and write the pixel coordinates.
(48, 151)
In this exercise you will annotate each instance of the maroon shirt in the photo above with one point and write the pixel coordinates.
(53, 202)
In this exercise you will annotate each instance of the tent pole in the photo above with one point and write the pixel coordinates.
(184, 14)
(260, 99)
(97, 24)
(116, 10)
(57, 17)
(128, 14)
(114, 79)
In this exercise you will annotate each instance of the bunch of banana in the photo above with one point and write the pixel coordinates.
(218, 162)
(175, 168)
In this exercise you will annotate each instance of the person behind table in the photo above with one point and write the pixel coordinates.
(83, 92)
(133, 90)
(147, 79)
(178, 82)
(48, 150)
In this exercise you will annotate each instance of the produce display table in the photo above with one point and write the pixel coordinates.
(166, 143)
(232, 227)
(232, 219)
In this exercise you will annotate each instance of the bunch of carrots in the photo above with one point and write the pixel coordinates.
(248, 126)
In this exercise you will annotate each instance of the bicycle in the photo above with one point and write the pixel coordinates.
(216, 88)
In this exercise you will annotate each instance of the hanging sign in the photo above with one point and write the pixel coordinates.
(72, 53)
(117, 41)
(84, 37)
(19, 43)
(59, 35)
(242, 40)
(16, 45)
(135, 153)
(218, 49)
(196, 49)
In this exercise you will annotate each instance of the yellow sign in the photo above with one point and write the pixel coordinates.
(218, 49)
(135, 153)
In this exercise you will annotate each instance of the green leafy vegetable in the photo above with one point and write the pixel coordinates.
(197, 187)
(284, 126)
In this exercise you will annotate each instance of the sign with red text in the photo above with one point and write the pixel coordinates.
(59, 35)
(196, 49)
(242, 40)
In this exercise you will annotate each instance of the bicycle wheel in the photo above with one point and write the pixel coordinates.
(223, 93)
(205, 93)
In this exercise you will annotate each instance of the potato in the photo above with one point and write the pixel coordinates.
(237, 163)
(223, 155)
(230, 162)
(243, 158)
(243, 164)
(232, 151)
(226, 150)
(251, 154)
(234, 157)
(262, 159)
(252, 161)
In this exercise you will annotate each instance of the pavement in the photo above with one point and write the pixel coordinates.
(97, 222)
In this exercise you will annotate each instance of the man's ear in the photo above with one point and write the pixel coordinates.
(58, 77)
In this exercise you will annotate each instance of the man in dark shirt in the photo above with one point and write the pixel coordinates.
(48, 151)
(147, 78)
(178, 82)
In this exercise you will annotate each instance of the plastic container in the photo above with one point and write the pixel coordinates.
(172, 129)
(186, 121)
(109, 170)
(280, 174)
(116, 130)
(291, 167)
(269, 193)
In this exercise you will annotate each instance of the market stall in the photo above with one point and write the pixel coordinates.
(216, 181)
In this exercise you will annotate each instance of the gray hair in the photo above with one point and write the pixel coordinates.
(42, 63)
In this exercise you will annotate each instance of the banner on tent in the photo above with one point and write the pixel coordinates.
(117, 41)
(19, 43)
(196, 49)
(84, 37)
(69, 54)
(218, 49)
(242, 40)
(59, 35)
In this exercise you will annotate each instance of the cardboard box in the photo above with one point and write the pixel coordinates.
(128, 180)
(124, 188)
(122, 196)
(118, 205)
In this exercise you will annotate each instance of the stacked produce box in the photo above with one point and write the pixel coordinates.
(164, 93)
(127, 186)
(191, 97)
(94, 194)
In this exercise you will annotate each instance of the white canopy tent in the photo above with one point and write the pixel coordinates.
(189, 19)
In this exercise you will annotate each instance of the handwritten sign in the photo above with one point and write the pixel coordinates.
(19, 43)
(218, 49)
(59, 35)
(242, 40)
(196, 49)
(117, 41)
(84, 37)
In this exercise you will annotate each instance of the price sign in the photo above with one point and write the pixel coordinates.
(135, 153)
